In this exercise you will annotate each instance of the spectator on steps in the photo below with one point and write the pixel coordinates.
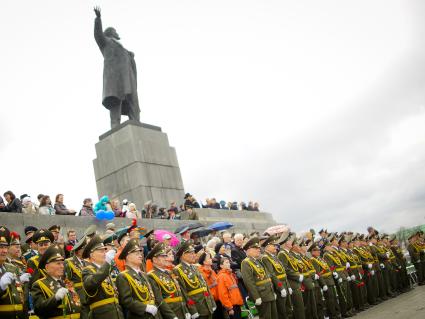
(256, 207)
(133, 212)
(13, 204)
(60, 207)
(87, 209)
(27, 206)
(46, 206)
(115, 206)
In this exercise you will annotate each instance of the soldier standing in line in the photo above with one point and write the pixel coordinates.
(29, 248)
(381, 291)
(414, 248)
(402, 276)
(257, 281)
(295, 278)
(51, 298)
(357, 284)
(164, 285)
(326, 281)
(14, 255)
(278, 275)
(134, 290)
(193, 286)
(367, 260)
(43, 238)
(11, 281)
(99, 288)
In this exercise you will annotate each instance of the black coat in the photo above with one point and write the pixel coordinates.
(14, 206)
(238, 255)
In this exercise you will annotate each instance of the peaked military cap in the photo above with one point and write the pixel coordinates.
(185, 247)
(55, 228)
(284, 238)
(15, 238)
(313, 245)
(30, 229)
(392, 238)
(43, 235)
(4, 236)
(129, 248)
(109, 239)
(91, 231)
(323, 231)
(341, 239)
(331, 238)
(53, 253)
(412, 236)
(299, 241)
(121, 236)
(253, 242)
(158, 250)
(80, 244)
(271, 240)
(95, 243)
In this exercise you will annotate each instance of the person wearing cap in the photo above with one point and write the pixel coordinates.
(193, 286)
(257, 280)
(26, 247)
(122, 240)
(414, 248)
(109, 241)
(99, 288)
(164, 286)
(293, 274)
(73, 272)
(11, 282)
(381, 290)
(394, 266)
(134, 290)
(402, 276)
(358, 288)
(326, 281)
(384, 256)
(110, 228)
(55, 230)
(51, 297)
(278, 275)
(306, 269)
(14, 255)
(43, 238)
(229, 295)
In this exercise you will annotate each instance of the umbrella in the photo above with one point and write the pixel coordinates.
(195, 225)
(277, 229)
(191, 226)
(159, 234)
(220, 226)
(201, 232)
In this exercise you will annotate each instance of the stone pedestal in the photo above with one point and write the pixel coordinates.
(135, 161)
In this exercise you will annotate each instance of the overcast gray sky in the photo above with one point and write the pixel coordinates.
(316, 109)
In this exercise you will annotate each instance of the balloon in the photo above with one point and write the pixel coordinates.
(100, 214)
(109, 215)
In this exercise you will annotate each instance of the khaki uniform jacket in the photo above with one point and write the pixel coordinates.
(291, 268)
(167, 290)
(414, 252)
(257, 280)
(45, 304)
(135, 293)
(100, 292)
(323, 270)
(12, 298)
(336, 264)
(194, 289)
(32, 268)
(276, 270)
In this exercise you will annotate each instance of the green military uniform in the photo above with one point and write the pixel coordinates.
(326, 283)
(294, 277)
(99, 289)
(386, 268)
(380, 285)
(258, 283)
(366, 260)
(165, 288)
(45, 292)
(402, 276)
(280, 283)
(193, 286)
(11, 294)
(414, 248)
(134, 290)
(41, 235)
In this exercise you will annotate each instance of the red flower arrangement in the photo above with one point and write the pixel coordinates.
(30, 270)
(69, 247)
(279, 284)
(206, 294)
(190, 302)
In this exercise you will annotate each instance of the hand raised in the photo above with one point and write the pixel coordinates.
(97, 11)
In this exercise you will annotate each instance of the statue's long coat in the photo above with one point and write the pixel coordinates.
(119, 72)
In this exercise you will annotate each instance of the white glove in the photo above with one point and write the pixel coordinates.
(335, 274)
(110, 256)
(369, 266)
(258, 302)
(347, 265)
(25, 277)
(382, 266)
(195, 315)
(360, 276)
(316, 277)
(151, 309)
(178, 318)
(214, 309)
(372, 272)
(290, 290)
(353, 277)
(348, 278)
(60, 294)
(188, 316)
(340, 280)
(388, 254)
(6, 280)
(283, 293)
(275, 296)
(325, 288)
(301, 279)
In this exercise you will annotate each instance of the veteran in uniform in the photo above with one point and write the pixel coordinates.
(414, 248)
(278, 276)
(165, 287)
(14, 255)
(43, 238)
(402, 276)
(367, 261)
(195, 290)
(52, 300)
(257, 280)
(100, 291)
(134, 290)
(11, 282)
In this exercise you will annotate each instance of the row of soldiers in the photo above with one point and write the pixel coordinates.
(285, 276)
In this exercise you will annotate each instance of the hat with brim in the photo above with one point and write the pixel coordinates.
(284, 238)
(4, 236)
(185, 247)
(313, 246)
(94, 244)
(412, 236)
(53, 253)
(55, 228)
(131, 247)
(109, 239)
(270, 240)
(15, 239)
(90, 231)
(157, 250)
(80, 244)
(253, 242)
(30, 229)
(43, 235)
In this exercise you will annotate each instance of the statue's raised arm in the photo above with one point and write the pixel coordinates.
(98, 30)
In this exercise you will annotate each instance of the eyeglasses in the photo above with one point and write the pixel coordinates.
(44, 243)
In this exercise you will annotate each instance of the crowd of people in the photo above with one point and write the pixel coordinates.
(128, 273)
(25, 204)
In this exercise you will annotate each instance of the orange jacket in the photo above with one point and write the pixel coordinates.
(211, 278)
(149, 265)
(120, 263)
(228, 290)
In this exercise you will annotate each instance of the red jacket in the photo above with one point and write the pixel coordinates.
(228, 290)
(211, 279)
